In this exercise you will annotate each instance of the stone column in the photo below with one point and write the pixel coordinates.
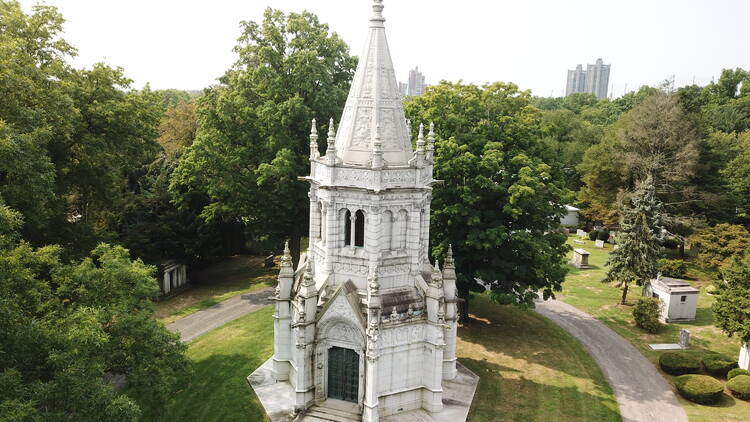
(744, 360)
(352, 228)
(451, 316)
(314, 218)
(305, 342)
(331, 234)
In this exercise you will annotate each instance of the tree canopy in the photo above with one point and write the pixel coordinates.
(501, 203)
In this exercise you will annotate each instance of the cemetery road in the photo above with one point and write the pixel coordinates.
(208, 319)
(642, 393)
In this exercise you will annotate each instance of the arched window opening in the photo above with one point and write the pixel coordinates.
(359, 229)
(348, 228)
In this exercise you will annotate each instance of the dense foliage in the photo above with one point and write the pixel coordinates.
(675, 268)
(718, 365)
(251, 144)
(647, 312)
(716, 245)
(501, 203)
(732, 307)
(737, 372)
(740, 386)
(700, 389)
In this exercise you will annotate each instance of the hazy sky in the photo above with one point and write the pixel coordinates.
(187, 44)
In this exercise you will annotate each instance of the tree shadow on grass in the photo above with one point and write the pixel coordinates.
(514, 398)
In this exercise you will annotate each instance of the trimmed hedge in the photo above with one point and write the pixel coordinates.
(737, 371)
(718, 365)
(603, 235)
(700, 389)
(740, 387)
(593, 234)
(679, 363)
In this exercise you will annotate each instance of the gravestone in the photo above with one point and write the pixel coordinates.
(684, 338)
(579, 242)
(600, 244)
(581, 233)
(744, 361)
(580, 259)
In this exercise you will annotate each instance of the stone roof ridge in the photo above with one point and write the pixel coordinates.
(374, 111)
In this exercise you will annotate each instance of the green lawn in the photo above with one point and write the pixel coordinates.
(530, 369)
(236, 275)
(583, 289)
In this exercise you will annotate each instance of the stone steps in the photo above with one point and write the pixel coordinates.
(326, 414)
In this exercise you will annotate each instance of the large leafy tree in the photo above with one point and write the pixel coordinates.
(68, 137)
(732, 307)
(637, 256)
(252, 140)
(67, 328)
(500, 203)
(737, 174)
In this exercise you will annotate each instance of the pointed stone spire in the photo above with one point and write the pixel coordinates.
(374, 99)
(314, 153)
(449, 263)
(286, 260)
(420, 139)
(331, 151)
(307, 277)
(437, 275)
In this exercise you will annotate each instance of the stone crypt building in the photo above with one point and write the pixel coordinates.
(366, 326)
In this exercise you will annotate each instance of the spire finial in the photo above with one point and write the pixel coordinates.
(377, 16)
(420, 138)
(286, 260)
(449, 262)
(307, 279)
(331, 151)
(314, 153)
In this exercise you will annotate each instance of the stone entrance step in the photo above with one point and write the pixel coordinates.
(332, 412)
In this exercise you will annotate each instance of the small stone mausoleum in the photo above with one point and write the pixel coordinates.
(365, 328)
(679, 297)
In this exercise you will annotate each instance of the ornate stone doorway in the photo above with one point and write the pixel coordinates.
(343, 374)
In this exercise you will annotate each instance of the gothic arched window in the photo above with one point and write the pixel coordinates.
(359, 229)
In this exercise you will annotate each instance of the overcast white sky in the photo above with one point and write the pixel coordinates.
(187, 44)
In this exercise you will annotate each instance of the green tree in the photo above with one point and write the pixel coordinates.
(638, 253)
(65, 329)
(737, 174)
(252, 141)
(717, 245)
(501, 203)
(731, 309)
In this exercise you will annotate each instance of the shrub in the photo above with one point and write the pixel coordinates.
(603, 235)
(673, 268)
(737, 371)
(717, 244)
(700, 388)
(718, 365)
(679, 363)
(712, 289)
(593, 234)
(671, 243)
(647, 312)
(740, 387)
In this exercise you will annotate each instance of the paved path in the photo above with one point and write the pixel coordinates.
(208, 319)
(642, 393)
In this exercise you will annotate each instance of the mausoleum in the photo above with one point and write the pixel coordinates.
(679, 297)
(365, 327)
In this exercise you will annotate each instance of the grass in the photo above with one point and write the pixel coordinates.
(236, 275)
(222, 359)
(583, 289)
(530, 369)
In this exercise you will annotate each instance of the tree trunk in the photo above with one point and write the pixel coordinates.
(624, 293)
(682, 250)
(463, 304)
(295, 244)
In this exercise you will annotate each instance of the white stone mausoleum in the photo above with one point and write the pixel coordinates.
(365, 328)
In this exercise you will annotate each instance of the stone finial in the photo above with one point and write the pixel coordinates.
(286, 260)
(408, 128)
(449, 262)
(377, 16)
(373, 281)
(420, 139)
(314, 153)
(307, 278)
(431, 139)
(437, 275)
(331, 151)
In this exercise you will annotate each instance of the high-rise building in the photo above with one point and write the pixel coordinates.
(594, 80)
(416, 83)
(402, 88)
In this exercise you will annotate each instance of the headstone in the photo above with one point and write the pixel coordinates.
(684, 338)
(579, 242)
(600, 244)
(745, 357)
(581, 233)
(580, 259)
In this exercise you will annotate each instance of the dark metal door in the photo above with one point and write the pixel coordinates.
(343, 374)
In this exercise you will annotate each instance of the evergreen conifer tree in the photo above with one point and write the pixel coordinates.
(636, 259)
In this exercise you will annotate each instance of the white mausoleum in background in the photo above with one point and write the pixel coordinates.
(365, 328)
